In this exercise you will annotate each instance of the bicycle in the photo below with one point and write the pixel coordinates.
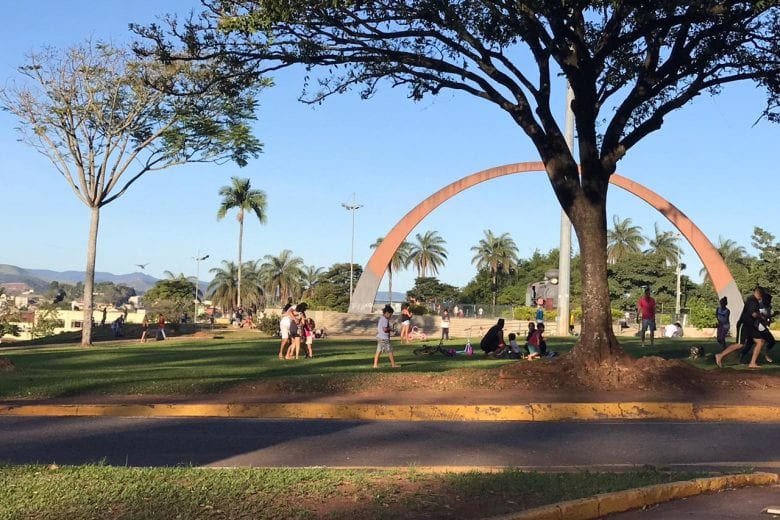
(417, 333)
(430, 350)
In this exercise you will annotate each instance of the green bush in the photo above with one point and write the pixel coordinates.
(701, 315)
(269, 324)
(418, 310)
(526, 313)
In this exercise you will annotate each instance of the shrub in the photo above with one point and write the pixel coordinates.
(418, 310)
(701, 314)
(269, 324)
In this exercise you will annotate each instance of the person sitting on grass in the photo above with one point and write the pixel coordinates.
(383, 345)
(514, 351)
(535, 342)
(493, 340)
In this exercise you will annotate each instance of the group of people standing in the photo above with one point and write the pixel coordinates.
(753, 333)
(294, 326)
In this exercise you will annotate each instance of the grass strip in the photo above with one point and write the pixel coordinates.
(104, 492)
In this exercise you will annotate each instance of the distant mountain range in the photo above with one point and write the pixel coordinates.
(382, 297)
(39, 279)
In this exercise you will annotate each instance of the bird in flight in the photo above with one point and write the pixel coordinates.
(142, 266)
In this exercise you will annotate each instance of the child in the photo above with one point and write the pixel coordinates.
(514, 348)
(383, 345)
(308, 331)
(723, 315)
(535, 342)
(531, 330)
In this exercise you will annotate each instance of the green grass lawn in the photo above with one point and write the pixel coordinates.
(102, 492)
(193, 366)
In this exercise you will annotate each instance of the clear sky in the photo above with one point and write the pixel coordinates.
(709, 160)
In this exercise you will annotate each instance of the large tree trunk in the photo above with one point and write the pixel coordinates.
(89, 277)
(240, 243)
(390, 284)
(584, 198)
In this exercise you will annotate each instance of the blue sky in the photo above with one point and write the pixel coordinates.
(709, 160)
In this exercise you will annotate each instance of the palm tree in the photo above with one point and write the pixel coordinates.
(664, 244)
(241, 196)
(281, 273)
(223, 289)
(310, 277)
(399, 260)
(427, 253)
(732, 253)
(495, 252)
(623, 239)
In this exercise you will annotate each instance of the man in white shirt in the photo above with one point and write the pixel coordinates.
(383, 345)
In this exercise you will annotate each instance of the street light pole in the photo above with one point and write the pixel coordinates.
(198, 260)
(352, 207)
(564, 255)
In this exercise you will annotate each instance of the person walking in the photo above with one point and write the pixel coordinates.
(406, 323)
(748, 330)
(161, 326)
(144, 328)
(723, 315)
(383, 345)
(646, 307)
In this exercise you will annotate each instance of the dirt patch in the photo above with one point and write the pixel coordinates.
(6, 365)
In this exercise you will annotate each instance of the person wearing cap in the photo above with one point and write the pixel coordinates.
(383, 345)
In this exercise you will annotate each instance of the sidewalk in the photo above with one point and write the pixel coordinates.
(736, 503)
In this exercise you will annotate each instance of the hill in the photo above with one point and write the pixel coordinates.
(39, 279)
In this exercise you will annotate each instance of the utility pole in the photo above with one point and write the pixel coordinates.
(352, 207)
(564, 258)
(198, 259)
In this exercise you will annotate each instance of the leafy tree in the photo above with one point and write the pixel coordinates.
(240, 195)
(431, 290)
(46, 320)
(427, 253)
(495, 253)
(104, 118)
(172, 297)
(623, 239)
(333, 290)
(281, 275)
(8, 318)
(400, 260)
(664, 244)
(629, 65)
(113, 294)
(766, 271)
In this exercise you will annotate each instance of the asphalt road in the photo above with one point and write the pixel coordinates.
(250, 442)
(727, 505)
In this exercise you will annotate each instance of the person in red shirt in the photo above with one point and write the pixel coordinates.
(646, 307)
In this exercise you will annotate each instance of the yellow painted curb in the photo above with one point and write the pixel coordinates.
(737, 413)
(534, 412)
(609, 503)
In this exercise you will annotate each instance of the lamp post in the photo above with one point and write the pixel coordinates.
(198, 260)
(680, 267)
(352, 207)
(564, 257)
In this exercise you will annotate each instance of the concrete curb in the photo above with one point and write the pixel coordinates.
(609, 503)
(533, 412)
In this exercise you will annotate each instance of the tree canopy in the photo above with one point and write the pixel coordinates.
(629, 66)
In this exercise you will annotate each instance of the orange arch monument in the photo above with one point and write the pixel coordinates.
(368, 284)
